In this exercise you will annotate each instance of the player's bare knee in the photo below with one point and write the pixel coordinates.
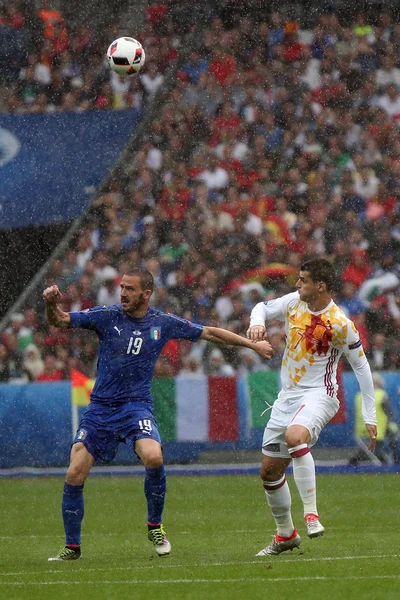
(269, 472)
(152, 461)
(76, 475)
(296, 435)
(293, 440)
(77, 472)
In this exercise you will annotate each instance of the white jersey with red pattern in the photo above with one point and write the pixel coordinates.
(314, 343)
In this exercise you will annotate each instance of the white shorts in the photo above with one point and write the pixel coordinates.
(311, 408)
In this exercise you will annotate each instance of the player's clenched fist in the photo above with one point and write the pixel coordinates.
(52, 294)
(256, 333)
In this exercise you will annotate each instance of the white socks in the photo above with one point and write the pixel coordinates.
(304, 476)
(279, 500)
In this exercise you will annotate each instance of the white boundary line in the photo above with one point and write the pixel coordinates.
(186, 581)
(202, 565)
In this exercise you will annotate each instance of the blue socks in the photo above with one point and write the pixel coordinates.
(72, 512)
(73, 506)
(155, 486)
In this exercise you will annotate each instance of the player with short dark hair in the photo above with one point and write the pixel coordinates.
(317, 333)
(131, 337)
(320, 269)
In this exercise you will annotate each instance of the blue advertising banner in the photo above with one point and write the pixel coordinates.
(36, 425)
(49, 163)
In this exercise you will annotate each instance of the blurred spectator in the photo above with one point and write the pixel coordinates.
(103, 270)
(378, 355)
(84, 250)
(151, 80)
(50, 371)
(191, 366)
(349, 302)
(393, 305)
(196, 65)
(358, 270)
(51, 17)
(156, 12)
(173, 251)
(217, 365)
(55, 337)
(74, 300)
(171, 356)
(250, 363)
(13, 359)
(222, 65)
(88, 358)
(214, 176)
(224, 304)
(40, 71)
(32, 364)
(108, 293)
(276, 339)
(31, 319)
(23, 333)
(62, 355)
(4, 366)
(235, 320)
(390, 102)
(14, 18)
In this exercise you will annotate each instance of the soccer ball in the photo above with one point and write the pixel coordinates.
(126, 56)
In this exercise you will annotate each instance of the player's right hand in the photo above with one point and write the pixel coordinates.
(52, 294)
(372, 430)
(257, 333)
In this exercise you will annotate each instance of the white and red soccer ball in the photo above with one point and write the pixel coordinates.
(126, 56)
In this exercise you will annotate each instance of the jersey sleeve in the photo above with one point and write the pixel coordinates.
(92, 318)
(183, 329)
(272, 309)
(355, 354)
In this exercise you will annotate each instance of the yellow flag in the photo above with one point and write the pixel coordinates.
(81, 388)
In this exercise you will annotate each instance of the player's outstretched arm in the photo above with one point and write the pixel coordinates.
(54, 314)
(223, 336)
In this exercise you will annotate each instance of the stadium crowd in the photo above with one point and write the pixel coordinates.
(277, 143)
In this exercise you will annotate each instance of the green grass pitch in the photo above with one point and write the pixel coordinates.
(216, 525)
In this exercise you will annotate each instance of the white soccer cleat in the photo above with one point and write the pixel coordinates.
(314, 527)
(280, 544)
(160, 542)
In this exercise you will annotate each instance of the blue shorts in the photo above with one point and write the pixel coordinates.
(104, 427)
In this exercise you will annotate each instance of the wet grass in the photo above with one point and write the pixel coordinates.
(216, 525)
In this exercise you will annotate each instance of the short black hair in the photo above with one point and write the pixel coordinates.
(320, 269)
(146, 278)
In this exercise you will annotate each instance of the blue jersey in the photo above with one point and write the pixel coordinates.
(129, 349)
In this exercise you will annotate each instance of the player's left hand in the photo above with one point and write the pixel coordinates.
(264, 349)
(372, 436)
(256, 333)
